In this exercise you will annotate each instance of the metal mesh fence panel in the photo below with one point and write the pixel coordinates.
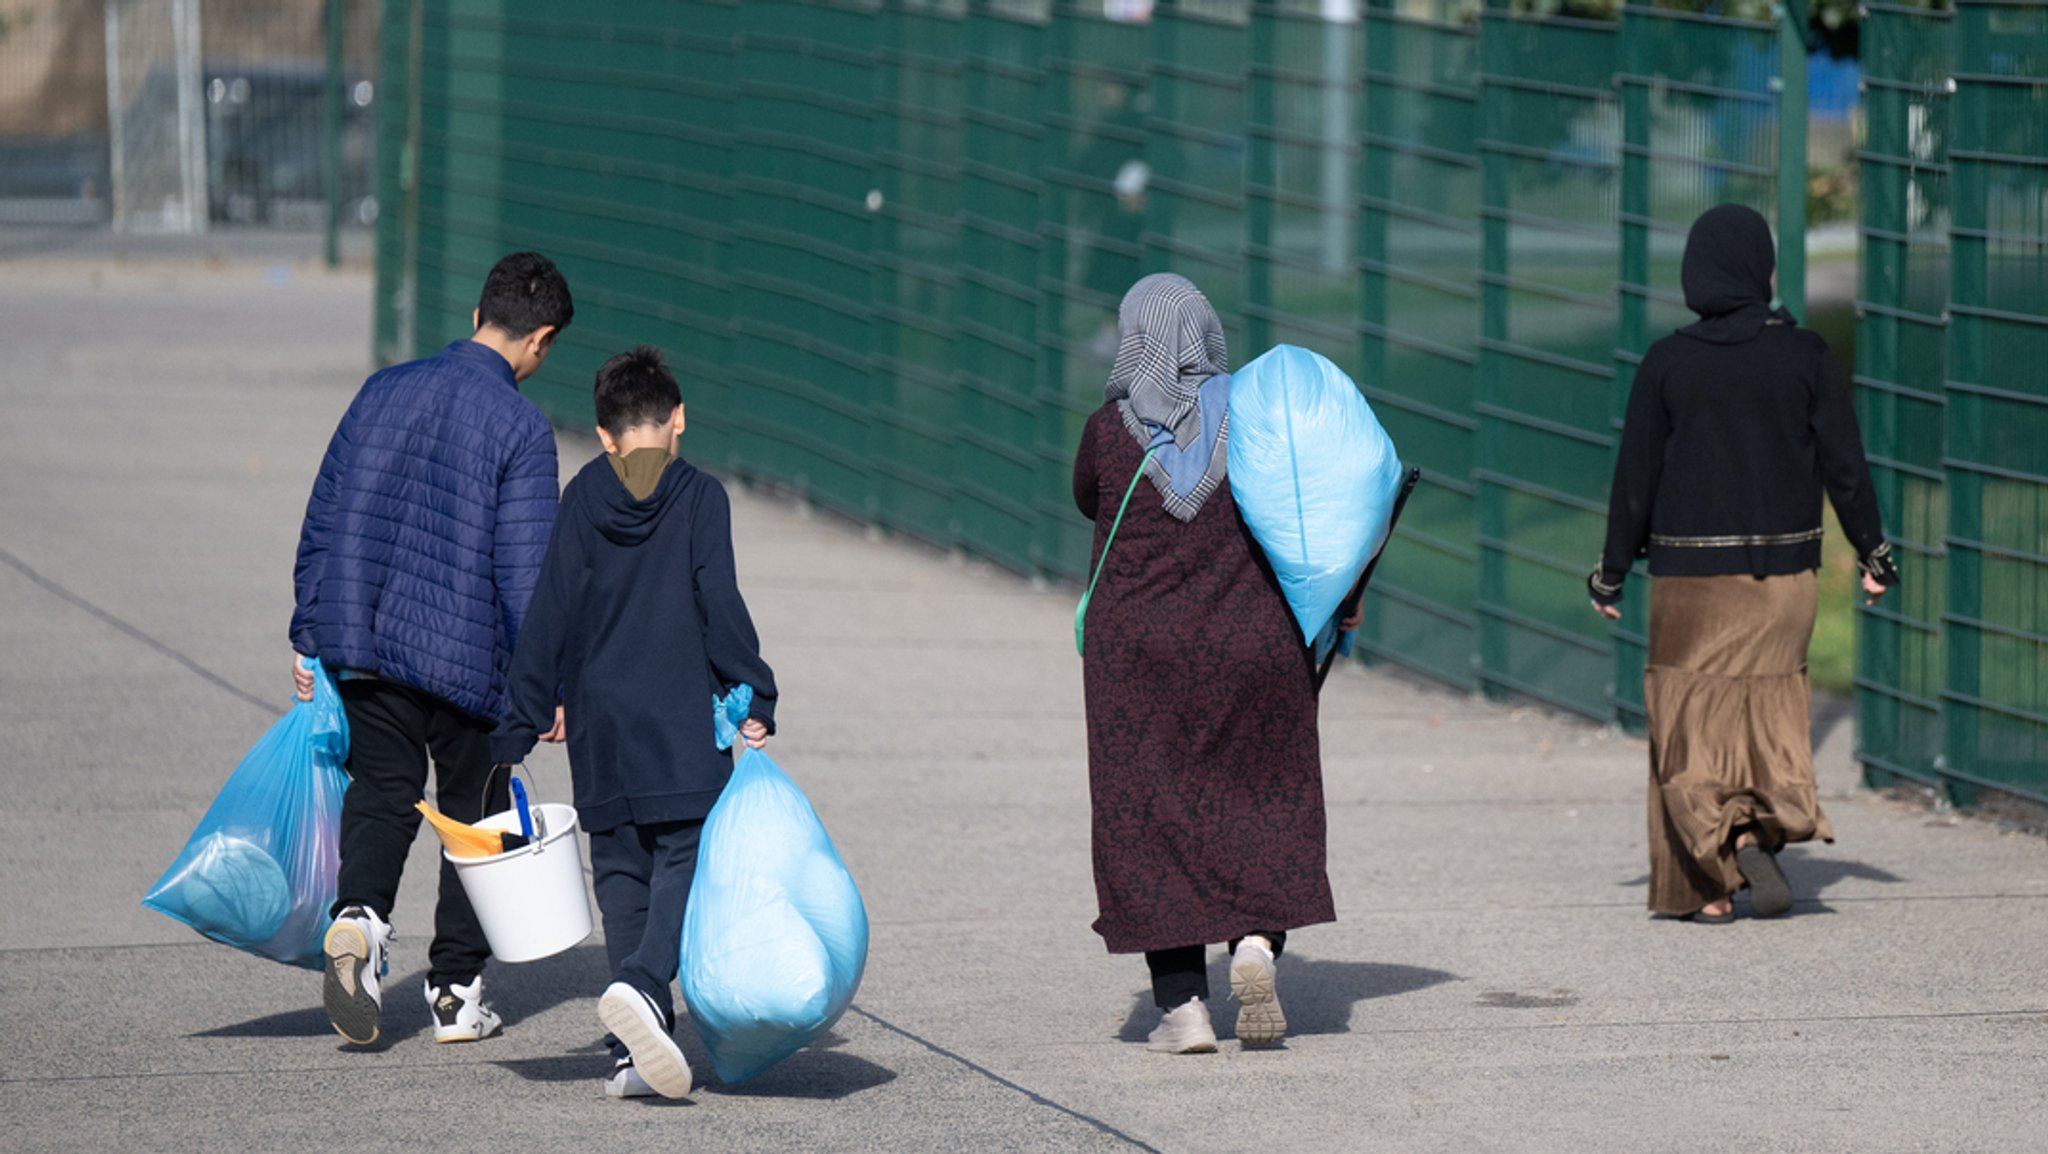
(804, 277)
(53, 113)
(1901, 353)
(1550, 143)
(1005, 489)
(1097, 91)
(1419, 239)
(157, 134)
(917, 391)
(269, 139)
(884, 244)
(1996, 703)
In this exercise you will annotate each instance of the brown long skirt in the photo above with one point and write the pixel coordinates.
(1731, 740)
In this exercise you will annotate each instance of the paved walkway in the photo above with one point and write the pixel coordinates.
(1494, 984)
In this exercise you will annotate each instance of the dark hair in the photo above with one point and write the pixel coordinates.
(635, 388)
(524, 292)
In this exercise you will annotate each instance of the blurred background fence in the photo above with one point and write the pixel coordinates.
(884, 244)
(183, 115)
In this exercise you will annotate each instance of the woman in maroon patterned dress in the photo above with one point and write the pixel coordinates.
(1203, 761)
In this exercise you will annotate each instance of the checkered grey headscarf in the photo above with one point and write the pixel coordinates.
(1170, 342)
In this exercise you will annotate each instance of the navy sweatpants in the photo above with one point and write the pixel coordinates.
(642, 875)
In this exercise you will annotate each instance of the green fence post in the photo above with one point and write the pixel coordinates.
(1792, 18)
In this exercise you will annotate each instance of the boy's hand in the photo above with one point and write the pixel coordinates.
(302, 679)
(753, 733)
(560, 733)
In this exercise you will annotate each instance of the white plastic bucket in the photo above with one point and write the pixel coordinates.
(531, 901)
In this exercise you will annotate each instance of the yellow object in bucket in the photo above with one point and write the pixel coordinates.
(461, 839)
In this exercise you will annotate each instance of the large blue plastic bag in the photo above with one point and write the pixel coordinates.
(1315, 477)
(775, 937)
(259, 871)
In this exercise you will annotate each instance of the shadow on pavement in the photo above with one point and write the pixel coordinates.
(1811, 876)
(306, 1023)
(528, 989)
(820, 1072)
(1317, 995)
(823, 1075)
(516, 992)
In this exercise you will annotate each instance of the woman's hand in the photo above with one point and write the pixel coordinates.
(1874, 588)
(1611, 612)
(1350, 624)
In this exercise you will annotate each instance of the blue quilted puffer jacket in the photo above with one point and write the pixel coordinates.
(426, 528)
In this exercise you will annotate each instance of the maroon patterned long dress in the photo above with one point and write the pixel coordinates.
(1203, 760)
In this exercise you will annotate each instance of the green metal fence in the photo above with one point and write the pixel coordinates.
(1995, 703)
(1954, 302)
(1901, 354)
(884, 244)
(1418, 262)
(1545, 455)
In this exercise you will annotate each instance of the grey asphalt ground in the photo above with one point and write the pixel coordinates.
(1493, 985)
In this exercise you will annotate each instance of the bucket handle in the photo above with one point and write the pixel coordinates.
(540, 827)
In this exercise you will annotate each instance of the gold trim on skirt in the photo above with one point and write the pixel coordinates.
(1731, 741)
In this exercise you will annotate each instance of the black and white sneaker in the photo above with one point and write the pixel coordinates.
(626, 1082)
(460, 1014)
(632, 1018)
(358, 948)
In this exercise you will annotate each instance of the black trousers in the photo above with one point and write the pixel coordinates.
(392, 730)
(1181, 974)
(642, 874)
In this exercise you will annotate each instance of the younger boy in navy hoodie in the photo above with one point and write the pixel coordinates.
(637, 623)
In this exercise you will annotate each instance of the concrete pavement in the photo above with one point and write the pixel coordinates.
(1493, 985)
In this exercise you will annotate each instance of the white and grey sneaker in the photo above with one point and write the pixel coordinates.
(1259, 1020)
(626, 1082)
(1184, 1029)
(358, 948)
(632, 1018)
(460, 1014)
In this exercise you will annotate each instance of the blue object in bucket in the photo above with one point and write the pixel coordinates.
(525, 811)
(775, 936)
(1315, 478)
(259, 871)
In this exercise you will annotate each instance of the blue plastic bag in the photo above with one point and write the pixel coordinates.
(1315, 477)
(259, 872)
(775, 937)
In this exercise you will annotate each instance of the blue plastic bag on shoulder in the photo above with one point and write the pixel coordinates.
(775, 937)
(259, 872)
(1314, 475)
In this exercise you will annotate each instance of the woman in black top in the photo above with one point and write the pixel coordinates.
(1735, 426)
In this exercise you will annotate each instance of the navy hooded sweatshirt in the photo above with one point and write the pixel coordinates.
(637, 619)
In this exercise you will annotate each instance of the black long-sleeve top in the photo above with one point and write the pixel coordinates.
(637, 621)
(1725, 451)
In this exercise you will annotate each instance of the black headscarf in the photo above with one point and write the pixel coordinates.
(1729, 257)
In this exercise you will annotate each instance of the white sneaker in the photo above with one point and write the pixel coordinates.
(358, 948)
(1184, 1029)
(633, 1019)
(460, 1014)
(1259, 1020)
(626, 1082)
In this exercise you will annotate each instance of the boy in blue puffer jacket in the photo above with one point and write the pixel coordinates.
(637, 623)
(422, 542)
